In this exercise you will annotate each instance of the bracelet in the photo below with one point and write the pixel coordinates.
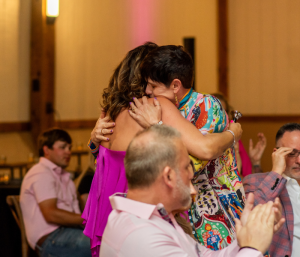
(249, 247)
(91, 145)
(233, 137)
(160, 123)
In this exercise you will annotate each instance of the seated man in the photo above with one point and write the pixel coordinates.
(159, 179)
(49, 202)
(283, 182)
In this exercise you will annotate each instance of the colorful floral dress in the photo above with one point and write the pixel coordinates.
(220, 194)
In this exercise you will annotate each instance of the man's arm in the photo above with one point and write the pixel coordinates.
(58, 216)
(150, 241)
(204, 147)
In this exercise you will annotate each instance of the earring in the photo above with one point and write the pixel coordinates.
(176, 101)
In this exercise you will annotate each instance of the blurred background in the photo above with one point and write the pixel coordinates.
(249, 50)
(53, 70)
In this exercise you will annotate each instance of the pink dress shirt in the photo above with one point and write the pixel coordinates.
(137, 229)
(43, 181)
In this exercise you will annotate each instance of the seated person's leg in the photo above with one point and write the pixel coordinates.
(66, 242)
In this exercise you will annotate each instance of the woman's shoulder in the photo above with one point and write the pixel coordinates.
(210, 98)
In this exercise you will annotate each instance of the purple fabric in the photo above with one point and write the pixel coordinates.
(109, 178)
(246, 162)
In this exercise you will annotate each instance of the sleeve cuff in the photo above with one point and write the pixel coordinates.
(94, 149)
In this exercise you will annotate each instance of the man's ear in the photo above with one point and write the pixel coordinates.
(46, 150)
(169, 177)
(176, 85)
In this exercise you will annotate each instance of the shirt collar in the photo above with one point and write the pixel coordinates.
(52, 166)
(289, 179)
(142, 210)
(185, 98)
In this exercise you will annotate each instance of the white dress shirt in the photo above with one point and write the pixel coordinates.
(136, 229)
(293, 189)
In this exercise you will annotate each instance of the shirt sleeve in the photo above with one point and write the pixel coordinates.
(149, 242)
(44, 187)
(230, 251)
(93, 148)
(264, 189)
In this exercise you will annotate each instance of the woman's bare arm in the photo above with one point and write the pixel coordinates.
(204, 147)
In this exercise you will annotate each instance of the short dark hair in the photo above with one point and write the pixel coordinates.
(166, 63)
(149, 153)
(50, 136)
(289, 127)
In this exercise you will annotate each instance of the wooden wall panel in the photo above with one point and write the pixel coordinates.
(264, 56)
(93, 36)
(14, 60)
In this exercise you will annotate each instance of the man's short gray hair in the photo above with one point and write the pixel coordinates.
(149, 153)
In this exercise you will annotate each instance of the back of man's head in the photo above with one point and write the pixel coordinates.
(289, 127)
(50, 136)
(167, 63)
(149, 153)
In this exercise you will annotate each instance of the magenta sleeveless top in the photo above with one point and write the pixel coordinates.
(109, 178)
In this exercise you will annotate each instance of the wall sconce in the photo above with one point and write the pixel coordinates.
(52, 10)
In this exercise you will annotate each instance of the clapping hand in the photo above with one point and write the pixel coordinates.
(255, 153)
(257, 225)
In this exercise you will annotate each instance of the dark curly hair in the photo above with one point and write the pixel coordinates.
(125, 82)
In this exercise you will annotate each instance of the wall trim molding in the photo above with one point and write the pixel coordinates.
(270, 118)
(90, 123)
(14, 126)
(76, 124)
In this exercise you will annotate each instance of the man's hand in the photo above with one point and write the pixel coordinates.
(144, 113)
(248, 208)
(258, 230)
(277, 208)
(279, 159)
(236, 128)
(255, 153)
(102, 128)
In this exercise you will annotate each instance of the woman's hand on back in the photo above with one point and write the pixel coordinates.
(102, 128)
(145, 114)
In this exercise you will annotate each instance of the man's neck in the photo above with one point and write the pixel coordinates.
(150, 196)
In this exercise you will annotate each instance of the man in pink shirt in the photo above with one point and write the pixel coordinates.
(49, 201)
(159, 176)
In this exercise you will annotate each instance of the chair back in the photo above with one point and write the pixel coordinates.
(90, 168)
(14, 204)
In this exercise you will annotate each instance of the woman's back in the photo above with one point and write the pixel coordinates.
(124, 131)
(109, 178)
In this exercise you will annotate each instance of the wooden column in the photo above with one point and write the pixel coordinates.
(223, 46)
(41, 69)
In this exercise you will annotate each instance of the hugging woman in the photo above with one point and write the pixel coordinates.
(126, 84)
